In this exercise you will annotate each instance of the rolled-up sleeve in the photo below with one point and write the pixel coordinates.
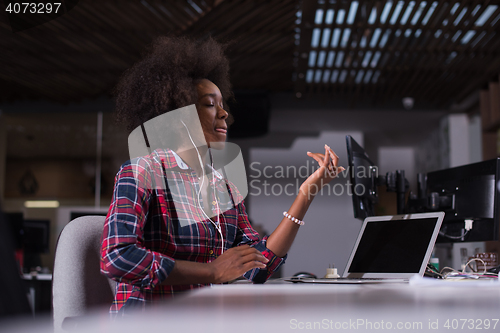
(247, 235)
(123, 256)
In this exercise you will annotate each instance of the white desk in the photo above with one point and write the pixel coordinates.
(296, 307)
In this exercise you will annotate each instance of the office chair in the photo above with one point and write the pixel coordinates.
(77, 284)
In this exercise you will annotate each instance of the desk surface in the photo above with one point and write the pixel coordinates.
(38, 276)
(454, 307)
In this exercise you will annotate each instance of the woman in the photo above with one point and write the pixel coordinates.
(147, 247)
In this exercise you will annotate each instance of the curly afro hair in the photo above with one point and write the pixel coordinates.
(164, 79)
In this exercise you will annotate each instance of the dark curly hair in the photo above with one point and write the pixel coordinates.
(164, 79)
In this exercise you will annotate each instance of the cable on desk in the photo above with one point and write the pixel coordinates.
(454, 274)
(472, 260)
(431, 271)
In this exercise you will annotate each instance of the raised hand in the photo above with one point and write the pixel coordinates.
(328, 170)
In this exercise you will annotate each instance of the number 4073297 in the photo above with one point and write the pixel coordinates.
(32, 7)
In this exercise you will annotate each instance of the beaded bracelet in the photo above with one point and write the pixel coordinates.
(293, 219)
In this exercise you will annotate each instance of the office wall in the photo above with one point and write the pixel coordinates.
(475, 139)
(459, 138)
(56, 178)
(456, 140)
(59, 151)
(391, 159)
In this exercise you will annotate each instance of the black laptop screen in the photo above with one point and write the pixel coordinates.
(396, 246)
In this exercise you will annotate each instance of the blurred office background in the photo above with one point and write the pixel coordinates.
(414, 82)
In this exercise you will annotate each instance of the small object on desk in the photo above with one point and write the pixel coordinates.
(494, 269)
(301, 275)
(431, 272)
(435, 262)
(490, 259)
(331, 273)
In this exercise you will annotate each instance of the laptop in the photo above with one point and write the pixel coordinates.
(389, 249)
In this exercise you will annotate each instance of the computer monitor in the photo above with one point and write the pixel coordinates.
(467, 193)
(14, 222)
(36, 236)
(363, 176)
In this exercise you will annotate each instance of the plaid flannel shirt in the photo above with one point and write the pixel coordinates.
(148, 227)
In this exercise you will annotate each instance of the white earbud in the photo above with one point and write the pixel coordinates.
(217, 225)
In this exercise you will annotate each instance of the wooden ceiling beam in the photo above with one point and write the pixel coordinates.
(213, 20)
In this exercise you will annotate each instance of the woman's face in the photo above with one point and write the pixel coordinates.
(211, 112)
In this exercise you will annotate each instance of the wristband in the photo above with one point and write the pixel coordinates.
(293, 219)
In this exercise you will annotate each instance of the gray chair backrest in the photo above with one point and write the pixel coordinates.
(77, 284)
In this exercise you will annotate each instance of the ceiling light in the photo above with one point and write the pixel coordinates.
(408, 103)
(41, 204)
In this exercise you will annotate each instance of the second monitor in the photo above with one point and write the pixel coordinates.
(467, 194)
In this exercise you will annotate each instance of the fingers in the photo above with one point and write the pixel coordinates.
(333, 156)
(332, 162)
(251, 258)
(253, 264)
(316, 156)
(236, 261)
(326, 158)
(247, 253)
(257, 257)
(329, 160)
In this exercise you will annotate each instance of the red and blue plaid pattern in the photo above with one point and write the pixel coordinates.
(155, 218)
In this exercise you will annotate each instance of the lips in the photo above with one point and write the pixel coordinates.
(221, 130)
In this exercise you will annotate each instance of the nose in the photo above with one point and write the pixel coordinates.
(222, 114)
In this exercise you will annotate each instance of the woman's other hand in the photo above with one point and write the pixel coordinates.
(236, 261)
